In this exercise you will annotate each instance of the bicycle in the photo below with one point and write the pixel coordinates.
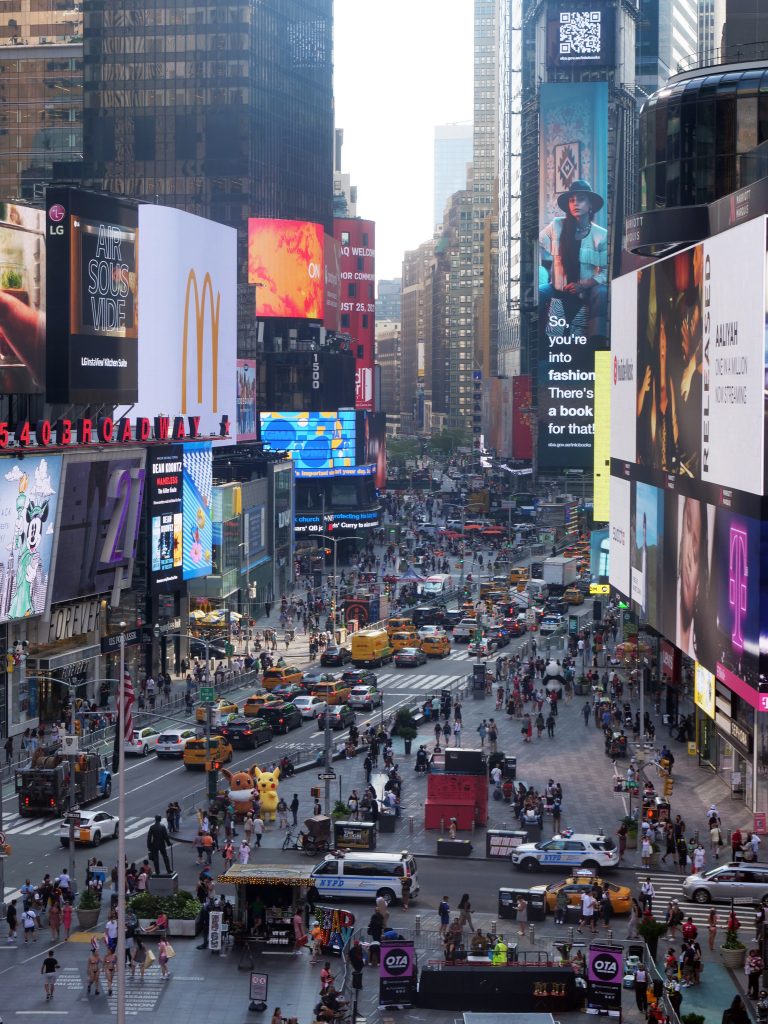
(305, 842)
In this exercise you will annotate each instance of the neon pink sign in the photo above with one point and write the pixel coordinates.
(738, 572)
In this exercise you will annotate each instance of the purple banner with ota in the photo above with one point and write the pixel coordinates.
(397, 974)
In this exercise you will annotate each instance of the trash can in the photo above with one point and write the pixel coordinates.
(387, 819)
(508, 902)
(509, 767)
(572, 914)
(537, 903)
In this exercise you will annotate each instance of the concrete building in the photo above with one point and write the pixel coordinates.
(388, 358)
(416, 331)
(452, 154)
(711, 22)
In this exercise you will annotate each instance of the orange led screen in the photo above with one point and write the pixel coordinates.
(286, 264)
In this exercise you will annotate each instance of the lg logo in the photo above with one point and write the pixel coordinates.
(56, 213)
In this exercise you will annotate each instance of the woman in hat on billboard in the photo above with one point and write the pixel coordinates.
(575, 255)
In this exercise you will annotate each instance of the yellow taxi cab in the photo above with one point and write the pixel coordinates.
(437, 645)
(574, 886)
(197, 753)
(405, 638)
(219, 710)
(257, 701)
(399, 625)
(281, 676)
(573, 596)
(518, 575)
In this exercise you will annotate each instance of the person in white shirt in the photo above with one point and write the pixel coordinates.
(754, 842)
(29, 920)
(587, 911)
(244, 853)
(647, 892)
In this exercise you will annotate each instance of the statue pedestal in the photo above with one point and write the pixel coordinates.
(164, 885)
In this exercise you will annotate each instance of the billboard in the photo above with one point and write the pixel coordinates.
(22, 300)
(601, 509)
(646, 550)
(29, 503)
(358, 299)
(286, 262)
(92, 309)
(623, 368)
(371, 444)
(197, 496)
(619, 535)
(188, 335)
(580, 37)
(319, 443)
(165, 524)
(522, 435)
(247, 428)
(332, 250)
(573, 269)
(98, 524)
(700, 360)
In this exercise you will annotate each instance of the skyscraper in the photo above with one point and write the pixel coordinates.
(452, 154)
(667, 35)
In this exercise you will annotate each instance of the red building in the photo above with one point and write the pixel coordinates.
(358, 304)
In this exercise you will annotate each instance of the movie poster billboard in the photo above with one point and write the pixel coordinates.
(286, 263)
(700, 359)
(573, 267)
(92, 320)
(98, 523)
(197, 495)
(22, 299)
(188, 336)
(646, 551)
(247, 425)
(29, 504)
(165, 521)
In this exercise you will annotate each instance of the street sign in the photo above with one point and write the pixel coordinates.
(229, 650)
(599, 588)
(326, 776)
(258, 991)
(207, 694)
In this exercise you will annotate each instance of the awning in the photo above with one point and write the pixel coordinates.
(265, 874)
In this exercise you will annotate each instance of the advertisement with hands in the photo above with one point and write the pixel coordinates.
(22, 299)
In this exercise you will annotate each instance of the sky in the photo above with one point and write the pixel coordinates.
(400, 68)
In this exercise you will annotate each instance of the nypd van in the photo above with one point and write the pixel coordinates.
(365, 876)
(569, 850)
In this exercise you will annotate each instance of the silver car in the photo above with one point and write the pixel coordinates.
(734, 881)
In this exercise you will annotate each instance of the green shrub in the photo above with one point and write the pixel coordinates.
(89, 900)
(11, 279)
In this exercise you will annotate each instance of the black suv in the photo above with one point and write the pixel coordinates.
(359, 677)
(281, 717)
(246, 733)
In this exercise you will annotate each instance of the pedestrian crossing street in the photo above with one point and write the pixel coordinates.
(670, 886)
(15, 825)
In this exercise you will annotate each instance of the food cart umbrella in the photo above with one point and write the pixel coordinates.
(410, 575)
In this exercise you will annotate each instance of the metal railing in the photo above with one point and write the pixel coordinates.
(754, 51)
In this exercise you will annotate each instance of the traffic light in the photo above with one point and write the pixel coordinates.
(669, 785)
(213, 779)
(315, 792)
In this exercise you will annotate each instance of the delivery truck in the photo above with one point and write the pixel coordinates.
(560, 571)
(43, 787)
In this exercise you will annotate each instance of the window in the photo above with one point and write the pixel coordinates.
(345, 319)
(345, 238)
(352, 291)
(331, 868)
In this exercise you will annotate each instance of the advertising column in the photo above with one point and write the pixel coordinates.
(573, 270)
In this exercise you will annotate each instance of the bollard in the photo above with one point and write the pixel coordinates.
(610, 934)
(473, 826)
(417, 925)
(570, 934)
(493, 927)
(504, 825)
(410, 824)
(442, 826)
(532, 933)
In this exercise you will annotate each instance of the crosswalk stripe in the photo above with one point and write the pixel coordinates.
(668, 887)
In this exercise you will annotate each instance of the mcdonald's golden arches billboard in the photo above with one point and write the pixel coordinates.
(188, 326)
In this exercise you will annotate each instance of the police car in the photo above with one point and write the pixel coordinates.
(569, 849)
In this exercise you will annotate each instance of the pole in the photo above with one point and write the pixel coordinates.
(641, 684)
(461, 581)
(335, 587)
(72, 804)
(121, 993)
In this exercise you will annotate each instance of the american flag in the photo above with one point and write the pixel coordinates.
(128, 700)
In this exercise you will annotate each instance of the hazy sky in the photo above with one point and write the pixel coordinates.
(400, 68)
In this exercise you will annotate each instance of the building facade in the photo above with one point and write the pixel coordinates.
(667, 37)
(452, 155)
(416, 327)
(388, 357)
(388, 299)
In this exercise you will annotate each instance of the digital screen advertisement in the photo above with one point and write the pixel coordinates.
(165, 471)
(581, 37)
(98, 523)
(22, 299)
(29, 505)
(188, 334)
(372, 444)
(319, 442)
(286, 263)
(197, 494)
(247, 427)
(92, 324)
(573, 268)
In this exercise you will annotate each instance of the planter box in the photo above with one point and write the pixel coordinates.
(454, 847)
(87, 919)
(733, 959)
(632, 840)
(180, 928)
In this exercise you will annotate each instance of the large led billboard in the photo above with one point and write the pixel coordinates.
(286, 263)
(247, 428)
(188, 332)
(165, 522)
(98, 523)
(580, 35)
(573, 268)
(22, 299)
(29, 503)
(319, 443)
(92, 319)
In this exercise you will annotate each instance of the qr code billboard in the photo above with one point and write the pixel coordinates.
(580, 35)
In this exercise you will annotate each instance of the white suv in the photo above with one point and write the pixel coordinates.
(569, 849)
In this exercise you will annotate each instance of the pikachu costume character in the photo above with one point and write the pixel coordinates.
(267, 783)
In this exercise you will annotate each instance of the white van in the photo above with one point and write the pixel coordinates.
(365, 876)
(442, 584)
(537, 590)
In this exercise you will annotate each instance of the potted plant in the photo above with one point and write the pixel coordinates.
(146, 907)
(88, 909)
(733, 951)
(692, 1018)
(340, 811)
(631, 826)
(650, 931)
(183, 911)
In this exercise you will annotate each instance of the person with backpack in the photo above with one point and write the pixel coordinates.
(444, 913)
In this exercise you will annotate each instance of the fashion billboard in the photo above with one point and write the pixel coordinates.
(29, 503)
(22, 300)
(197, 496)
(188, 334)
(619, 533)
(98, 524)
(573, 268)
(247, 428)
(700, 360)
(286, 263)
(319, 443)
(165, 522)
(92, 318)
